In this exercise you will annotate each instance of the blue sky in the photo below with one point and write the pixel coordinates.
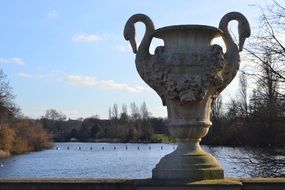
(71, 55)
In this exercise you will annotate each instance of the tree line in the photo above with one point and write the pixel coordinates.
(121, 126)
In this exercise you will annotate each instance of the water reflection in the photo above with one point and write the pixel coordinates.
(78, 160)
(107, 160)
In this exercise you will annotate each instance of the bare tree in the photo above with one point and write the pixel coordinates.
(115, 111)
(269, 42)
(144, 111)
(217, 108)
(8, 108)
(124, 114)
(110, 113)
(269, 85)
(243, 94)
(124, 109)
(135, 114)
(54, 115)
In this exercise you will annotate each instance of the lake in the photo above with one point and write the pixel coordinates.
(103, 160)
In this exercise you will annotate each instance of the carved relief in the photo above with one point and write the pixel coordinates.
(164, 70)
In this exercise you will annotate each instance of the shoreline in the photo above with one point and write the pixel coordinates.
(157, 142)
(105, 140)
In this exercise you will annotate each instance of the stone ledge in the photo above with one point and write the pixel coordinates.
(262, 180)
(142, 184)
(64, 180)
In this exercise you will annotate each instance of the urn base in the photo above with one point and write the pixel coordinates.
(188, 163)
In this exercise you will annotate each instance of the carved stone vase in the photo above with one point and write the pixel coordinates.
(188, 73)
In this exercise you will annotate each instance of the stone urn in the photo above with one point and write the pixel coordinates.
(188, 73)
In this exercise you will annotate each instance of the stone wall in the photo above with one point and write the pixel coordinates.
(145, 184)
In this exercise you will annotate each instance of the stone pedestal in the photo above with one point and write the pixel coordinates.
(188, 163)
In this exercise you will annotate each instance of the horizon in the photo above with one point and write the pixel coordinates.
(72, 57)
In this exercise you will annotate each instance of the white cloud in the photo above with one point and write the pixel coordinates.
(83, 37)
(52, 14)
(105, 84)
(48, 75)
(12, 60)
(123, 48)
(24, 75)
(82, 80)
(17, 61)
(111, 85)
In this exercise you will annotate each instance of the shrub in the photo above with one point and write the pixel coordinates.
(162, 138)
(30, 136)
(21, 146)
(7, 136)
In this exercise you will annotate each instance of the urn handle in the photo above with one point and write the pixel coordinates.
(143, 57)
(130, 32)
(231, 57)
(243, 29)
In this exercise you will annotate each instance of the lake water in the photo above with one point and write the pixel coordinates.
(102, 160)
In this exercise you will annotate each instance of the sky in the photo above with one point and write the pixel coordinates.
(71, 55)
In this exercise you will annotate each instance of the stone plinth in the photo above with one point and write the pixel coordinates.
(191, 164)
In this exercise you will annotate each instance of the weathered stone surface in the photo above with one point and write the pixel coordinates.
(192, 164)
(188, 73)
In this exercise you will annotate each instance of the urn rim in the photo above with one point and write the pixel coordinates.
(159, 33)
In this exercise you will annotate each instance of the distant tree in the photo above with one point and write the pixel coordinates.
(80, 119)
(54, 115)
(217, 108)
(144, 111)
(135, 114)
(159, 125)
(110, 113)
(124, 109)
(84, 133)
(124, 117)
(243, 95)
(115, 111)
(94, 131)
(73, 133)
(232, 110)
(8, 109)
(268, 116)
(96, 116)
